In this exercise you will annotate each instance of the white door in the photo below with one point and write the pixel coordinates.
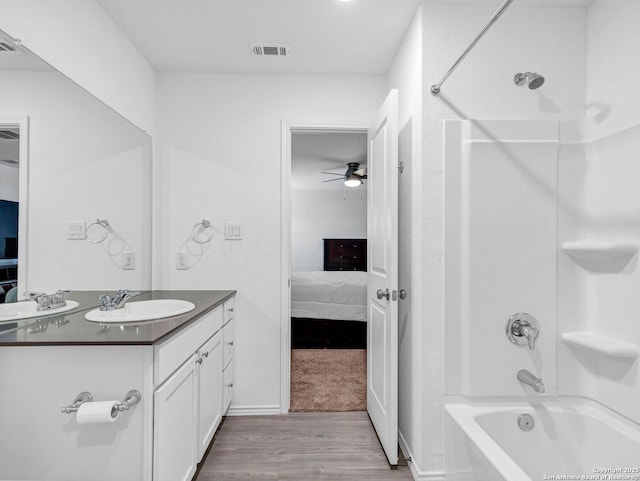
(382, 275)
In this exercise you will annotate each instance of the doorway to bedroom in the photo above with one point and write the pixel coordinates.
(328, 270)
(9, 210)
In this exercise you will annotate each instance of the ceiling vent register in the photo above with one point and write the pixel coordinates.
(270, 50)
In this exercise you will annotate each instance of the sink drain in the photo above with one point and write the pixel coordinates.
(526, 422)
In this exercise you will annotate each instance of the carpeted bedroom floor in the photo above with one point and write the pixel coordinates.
(328, 380)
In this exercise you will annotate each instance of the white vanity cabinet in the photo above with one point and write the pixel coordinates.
(188, 399)
(182, 367)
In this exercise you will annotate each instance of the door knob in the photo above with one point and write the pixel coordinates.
(402, 294)
(380, 293)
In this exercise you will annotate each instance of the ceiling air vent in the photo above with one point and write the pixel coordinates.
(270, 50)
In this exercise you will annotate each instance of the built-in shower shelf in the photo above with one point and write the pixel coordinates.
(599, 344)
(601, 250)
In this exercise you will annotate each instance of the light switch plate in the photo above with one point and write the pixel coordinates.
(76, 230)
(233, 230)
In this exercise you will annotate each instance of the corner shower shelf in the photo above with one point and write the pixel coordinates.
(601, 250)
(603, 345)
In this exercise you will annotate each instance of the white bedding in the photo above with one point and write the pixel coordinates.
(335, 295)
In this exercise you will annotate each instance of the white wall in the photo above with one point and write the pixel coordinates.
(405, 74)
(219, 148)
(324, 214)
(9, 183)
(85, 162)
(80, 40)
(482, 88)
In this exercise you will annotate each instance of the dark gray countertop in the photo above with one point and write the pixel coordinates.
(71, 328)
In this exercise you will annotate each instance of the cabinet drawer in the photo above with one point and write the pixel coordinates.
(228, 307)
(227, 392)
(171, 353)
(228, 338)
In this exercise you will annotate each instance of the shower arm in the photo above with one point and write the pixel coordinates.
(435, 89)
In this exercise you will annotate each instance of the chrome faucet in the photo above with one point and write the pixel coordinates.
(46, 302)
(118, 301)
(533, 381)
(523, 329)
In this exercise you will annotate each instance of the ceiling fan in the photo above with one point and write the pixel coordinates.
(353, 177)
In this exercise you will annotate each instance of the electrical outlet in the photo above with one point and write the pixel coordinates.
(128, 261)
(182, 261)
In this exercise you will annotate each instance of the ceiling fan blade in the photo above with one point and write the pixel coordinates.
(332, 173)
(330, 180)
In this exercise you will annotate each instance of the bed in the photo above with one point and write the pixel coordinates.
(328, 308)
(335, 295)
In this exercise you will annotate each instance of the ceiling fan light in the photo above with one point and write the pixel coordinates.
(353, 181)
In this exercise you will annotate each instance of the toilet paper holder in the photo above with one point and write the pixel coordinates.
(132, 398)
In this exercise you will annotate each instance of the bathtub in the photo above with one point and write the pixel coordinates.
(572, 438)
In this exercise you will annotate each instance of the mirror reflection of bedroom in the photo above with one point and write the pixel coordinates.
(328, 278)
(9, 190)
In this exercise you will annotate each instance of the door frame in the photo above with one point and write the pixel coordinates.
(287, 128)
(22, 123)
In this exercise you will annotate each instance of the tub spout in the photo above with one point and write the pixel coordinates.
(533, 381)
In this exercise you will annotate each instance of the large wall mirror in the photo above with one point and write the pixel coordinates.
(75, 185)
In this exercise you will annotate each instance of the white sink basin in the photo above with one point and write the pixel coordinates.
(141, 311)
(25, 309)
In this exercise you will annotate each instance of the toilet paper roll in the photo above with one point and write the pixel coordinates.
(98, 412)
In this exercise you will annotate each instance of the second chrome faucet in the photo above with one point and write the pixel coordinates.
(110, 303)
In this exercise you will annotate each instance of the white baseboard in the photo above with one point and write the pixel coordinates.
(416, 472)
(254, 410)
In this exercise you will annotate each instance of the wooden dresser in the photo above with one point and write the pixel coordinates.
(345, 254)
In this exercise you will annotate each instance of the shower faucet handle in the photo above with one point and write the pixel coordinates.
(523, 329)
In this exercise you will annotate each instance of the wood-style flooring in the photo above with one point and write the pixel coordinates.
(299, 446)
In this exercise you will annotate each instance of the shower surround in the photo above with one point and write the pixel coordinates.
(541, 218)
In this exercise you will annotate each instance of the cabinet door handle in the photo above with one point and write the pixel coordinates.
(205, 354)
(199, 360)
(230, 384)
(230, 343)
(230, 309)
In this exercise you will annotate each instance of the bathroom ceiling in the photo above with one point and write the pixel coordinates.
(326, 36)
(358, 37)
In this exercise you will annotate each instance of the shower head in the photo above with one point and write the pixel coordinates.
(534, 80)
